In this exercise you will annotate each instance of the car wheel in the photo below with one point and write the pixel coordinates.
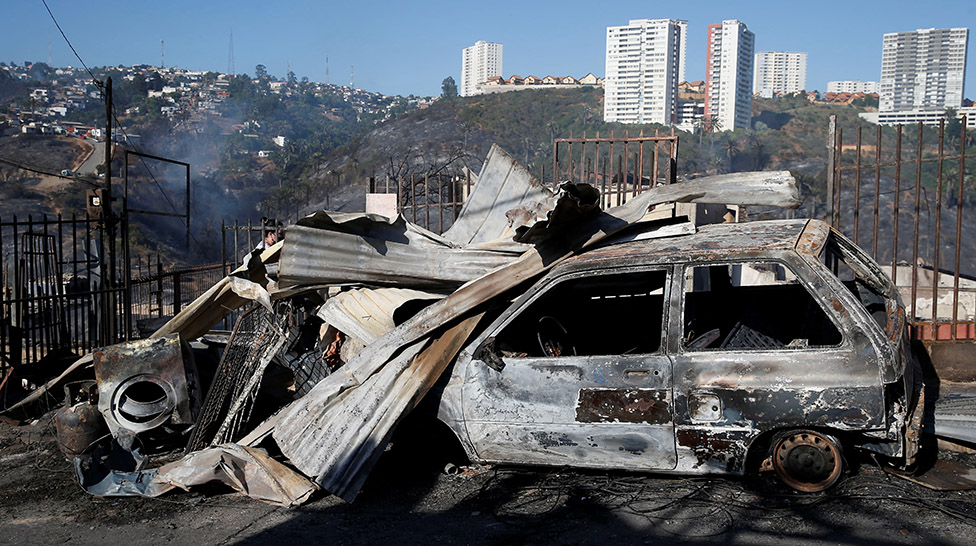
(807, 461)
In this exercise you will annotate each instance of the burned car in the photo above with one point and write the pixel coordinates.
(772, 345)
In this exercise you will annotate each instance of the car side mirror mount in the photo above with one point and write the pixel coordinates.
(487, 353)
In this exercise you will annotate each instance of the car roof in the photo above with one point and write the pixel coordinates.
(718, 240)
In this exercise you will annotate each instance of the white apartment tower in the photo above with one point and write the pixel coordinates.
(645, 62)
(852, 86)
(779, 72)
(479, 62)
(923, 69)
(728, 74)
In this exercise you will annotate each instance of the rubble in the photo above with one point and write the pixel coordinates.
(366, 313)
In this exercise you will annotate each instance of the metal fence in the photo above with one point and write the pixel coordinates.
(53, 297)
(915, 225)
(620, 167)
(65, 291)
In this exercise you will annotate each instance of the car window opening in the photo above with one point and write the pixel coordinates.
(867, 289)
(752, 306)
(598, 315)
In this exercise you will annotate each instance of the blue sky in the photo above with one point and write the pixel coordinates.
(410, 47)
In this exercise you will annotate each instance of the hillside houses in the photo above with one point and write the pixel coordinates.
(181, 94)
(498, 84)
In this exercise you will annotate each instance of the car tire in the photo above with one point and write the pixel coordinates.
(807, 460)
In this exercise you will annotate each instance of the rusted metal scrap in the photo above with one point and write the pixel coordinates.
(511, 231)
(143, 384)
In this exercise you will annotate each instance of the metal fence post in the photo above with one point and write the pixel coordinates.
(831, 167)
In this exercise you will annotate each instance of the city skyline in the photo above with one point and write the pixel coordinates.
(400, 49)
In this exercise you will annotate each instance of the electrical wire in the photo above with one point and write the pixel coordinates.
(44, 173)
(536, 500)
(96, 80)
(115, 116)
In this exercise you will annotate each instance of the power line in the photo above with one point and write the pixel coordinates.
(44, 173)
(118, 124)
(97, 81)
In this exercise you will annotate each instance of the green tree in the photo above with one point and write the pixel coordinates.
(953, 126)
(449, 89)
(260, 72)
(292, 80)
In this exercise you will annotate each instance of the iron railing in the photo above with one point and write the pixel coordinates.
(914, 226)
(620, 167)
(62, 293)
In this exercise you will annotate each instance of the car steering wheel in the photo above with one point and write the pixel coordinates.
(554, 339)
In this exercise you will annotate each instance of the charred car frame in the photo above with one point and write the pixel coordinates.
(766, 345)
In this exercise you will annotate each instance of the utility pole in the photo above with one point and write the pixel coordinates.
(108, 267)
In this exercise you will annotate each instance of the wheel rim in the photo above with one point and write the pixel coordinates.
(807, 461)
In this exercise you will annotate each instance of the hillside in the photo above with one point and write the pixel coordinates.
(23, 192)
(789, 133)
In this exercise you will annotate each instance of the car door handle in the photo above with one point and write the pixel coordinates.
(641, 372)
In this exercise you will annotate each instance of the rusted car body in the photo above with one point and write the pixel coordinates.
(768, 345)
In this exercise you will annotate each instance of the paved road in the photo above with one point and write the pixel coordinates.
(97, 157)
(408, 502)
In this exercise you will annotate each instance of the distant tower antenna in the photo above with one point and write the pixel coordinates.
(162, 54)
(49, 61)
(230, 54)
(326, 70)
(352, 76)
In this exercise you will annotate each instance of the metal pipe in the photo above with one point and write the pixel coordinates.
(895, 211)
(877, 194)
(918, 210)
(857, 186)
(831, 164)
(837, 178)
(955, 275)
(936, 274)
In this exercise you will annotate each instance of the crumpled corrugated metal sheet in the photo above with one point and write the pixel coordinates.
(955, 417)
(248, 470)
(325, 434)
(367, 313)
(213, 305)
(337, 248)
(505, 197)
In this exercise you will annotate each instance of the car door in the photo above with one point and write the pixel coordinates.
(574, 373)
(765, 345)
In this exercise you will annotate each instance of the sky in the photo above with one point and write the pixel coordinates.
(404, 48)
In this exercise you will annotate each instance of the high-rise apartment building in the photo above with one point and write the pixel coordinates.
(923, 69)
(645, 62)
(779, 72)
(728, 74)
(479, 62)
(852, 86)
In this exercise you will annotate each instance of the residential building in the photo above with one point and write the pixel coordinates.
(922, 69)
(728, 74)
(779, 73)
(925, 117)
(689, 112)
(643, 70)
(693, 91)
(590, 79)
(683, 50)
(479, 63)
(852, 86)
